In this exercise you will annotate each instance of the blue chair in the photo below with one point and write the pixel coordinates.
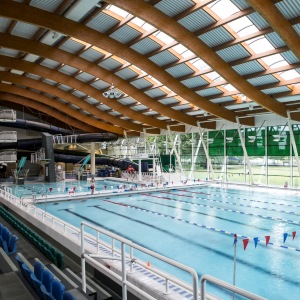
(4, 235)
(38, 270)
(20, 263)
(47, 296)
(68, 296)
(27, 273)
(57, 289)
(47, 278)
(11, 247)
(37, 285)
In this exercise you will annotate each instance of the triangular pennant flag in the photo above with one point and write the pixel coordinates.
(255, 241)
(245, 242)
(293, 234)
(284, 237)
(267, 239)
(235, 239)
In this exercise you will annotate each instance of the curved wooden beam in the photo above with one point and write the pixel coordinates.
(57, 23)
(60, 106)
(56, 54)
(193, 43)
(47, 110)
(44, 87)
(44, 118)
(278, 22)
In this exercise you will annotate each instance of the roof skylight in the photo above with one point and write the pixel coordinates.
(214, 76)
(243, 26)
(229, 87)
(117, 11)
(223, 8)
(199, 64)
(288, 75)
(141, 23)
(182, 50)
(260, 44)
(164, 37)
(275, 61)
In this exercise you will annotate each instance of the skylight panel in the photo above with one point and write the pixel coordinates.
(164, 37)
(229, 87)
(288, 75)
(223, 8)
(199, 64)
(243, 26)
(154, 79)
(260, 45)
(141, 23)
(118, 11)
(214, 76)
(182, 50)
(275, 61)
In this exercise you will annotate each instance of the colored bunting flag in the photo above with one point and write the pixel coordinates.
(267, 239)
(245, 242)
(284, 237)
(255, 241)
(235, 239)
(293, 234)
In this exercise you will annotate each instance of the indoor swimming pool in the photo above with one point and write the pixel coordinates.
(64, 188)
(195, 226)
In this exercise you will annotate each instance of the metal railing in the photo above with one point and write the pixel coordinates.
(226, 286)
(65, 139)
(124, 257)
(8, 156)
(37, 156)
(80, 237)
(7, 115)
(8, 136)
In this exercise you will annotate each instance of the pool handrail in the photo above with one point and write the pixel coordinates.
(129, 243)
(227, 286)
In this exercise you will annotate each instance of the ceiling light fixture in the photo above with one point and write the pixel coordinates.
(112, 93)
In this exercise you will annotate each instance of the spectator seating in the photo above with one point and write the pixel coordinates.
(38, 242)
(42, 281)
(8, 241)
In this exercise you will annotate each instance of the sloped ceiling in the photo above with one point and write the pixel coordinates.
(174, 63)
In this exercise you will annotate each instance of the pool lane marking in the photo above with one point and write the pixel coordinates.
(245, 199)
(226, 209)
(201, 225)
(233, 203)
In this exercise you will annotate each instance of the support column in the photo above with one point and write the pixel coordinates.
(175, 151)
(245, 150)
(47, 144)
(293, 141)
(210, 167)
(93, 160)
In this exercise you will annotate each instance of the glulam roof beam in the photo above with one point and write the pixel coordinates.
(63, 57)
(8, 88)
(59, 93)
(44, 19)
(49, 110)
(278, 22)
(188, 39)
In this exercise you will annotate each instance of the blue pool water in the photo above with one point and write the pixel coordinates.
(151, 220)
(64, 187)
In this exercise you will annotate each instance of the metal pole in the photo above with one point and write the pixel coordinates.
(83, 258)
(245, 151)
(293, 141)
(210, 167)
(234, 268)
(124, 286)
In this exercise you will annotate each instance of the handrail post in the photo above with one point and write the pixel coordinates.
(124, 286)
(82, 258)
